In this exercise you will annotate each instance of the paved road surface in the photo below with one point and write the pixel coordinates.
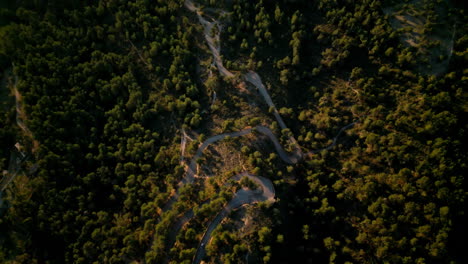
(242, 197)
(213, 42)
(191, 169)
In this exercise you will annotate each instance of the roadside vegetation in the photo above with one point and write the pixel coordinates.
(107, 87)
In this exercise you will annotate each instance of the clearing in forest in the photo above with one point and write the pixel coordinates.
(429, 29)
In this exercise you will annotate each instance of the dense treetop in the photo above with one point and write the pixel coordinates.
(107, 87)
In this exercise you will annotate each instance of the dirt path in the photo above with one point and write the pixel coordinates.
(19, 113)
(16, 160)
(335, 140)
(11, 176)
(452, 42)
(214, 98)
(19, 109)
(14, 168)
(21, 116)
(183, 142)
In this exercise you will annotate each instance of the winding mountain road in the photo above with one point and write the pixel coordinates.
(191, 168)
(243, 196)
(213, 42)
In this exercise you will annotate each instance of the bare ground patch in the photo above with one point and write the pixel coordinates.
(428, 30)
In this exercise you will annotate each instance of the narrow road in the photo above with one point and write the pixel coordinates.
(19, 110)
(214, 98)
(191, 170)
(335, 140)
(251, 76)
(255, 79)
(13, 170)
(242, 197)
(287, 158)
(452, 42)
(15, 162)
(172, 236)
(213, 42)
(183, 142)
(20, 116)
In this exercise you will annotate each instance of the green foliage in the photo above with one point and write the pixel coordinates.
(97, 86)
(106, 85)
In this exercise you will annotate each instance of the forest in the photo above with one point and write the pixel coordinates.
(202, 131)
